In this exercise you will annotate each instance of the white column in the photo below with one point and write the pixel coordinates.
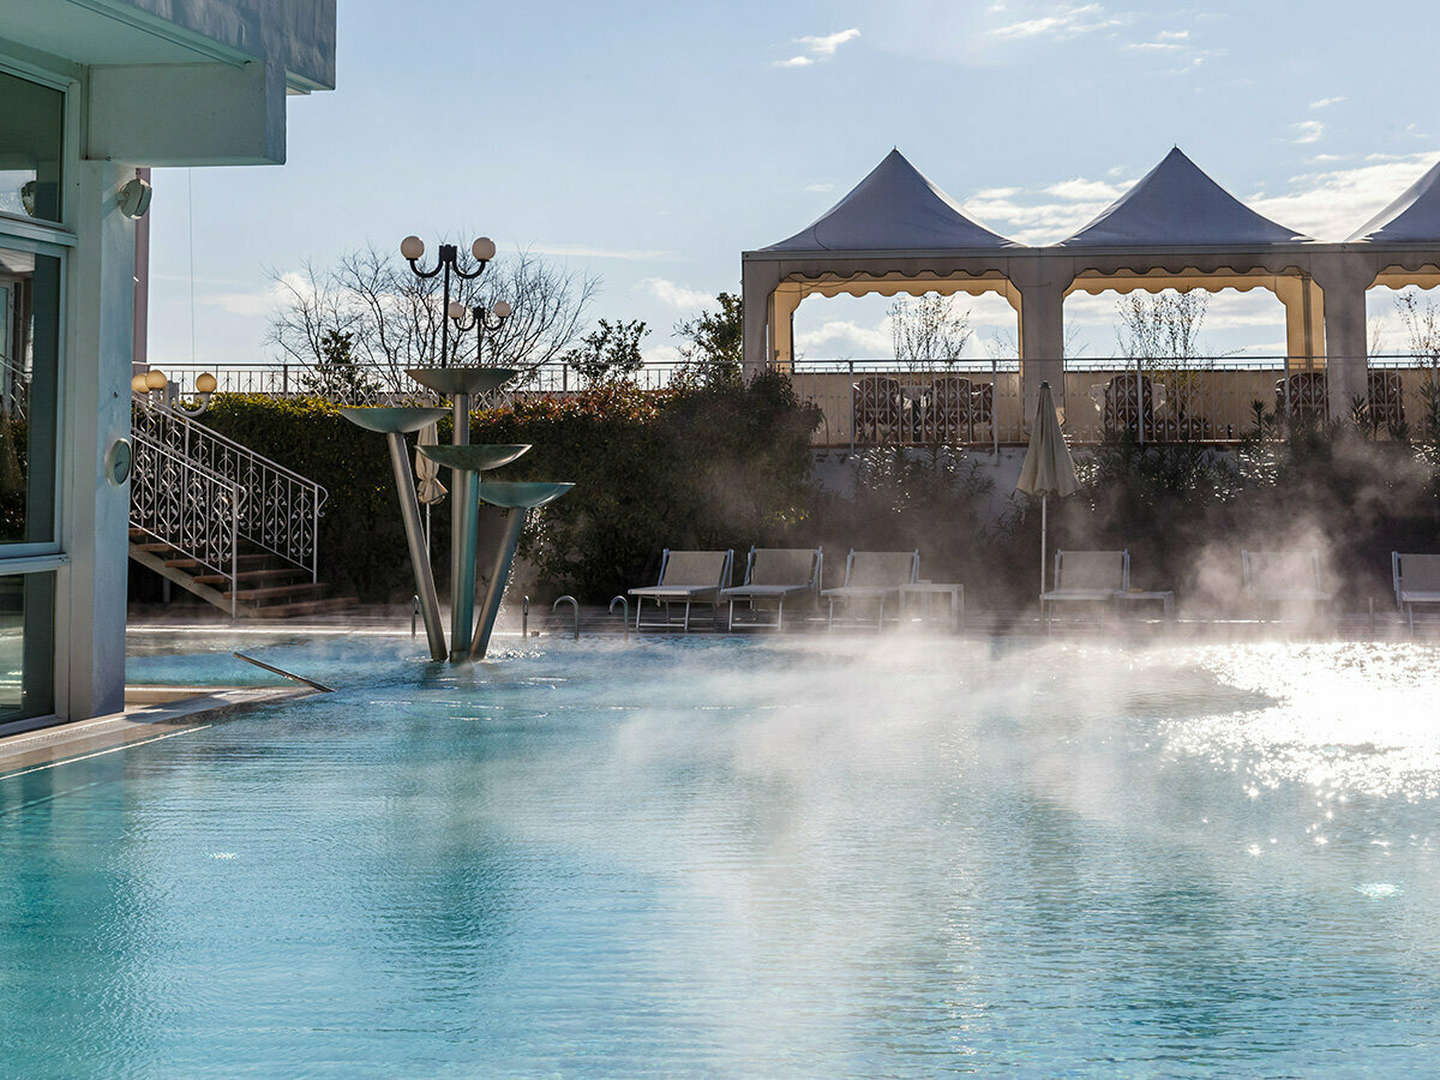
(757, 283)
(95, 404)
(1344, 280)
(1042, 332)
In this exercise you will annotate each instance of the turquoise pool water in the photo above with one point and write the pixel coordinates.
(721, 857)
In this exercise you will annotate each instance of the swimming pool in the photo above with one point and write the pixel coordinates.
(711, 856)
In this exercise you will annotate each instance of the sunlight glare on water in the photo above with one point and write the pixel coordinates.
(820, 857)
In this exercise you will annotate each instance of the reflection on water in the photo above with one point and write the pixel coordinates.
(837, 857)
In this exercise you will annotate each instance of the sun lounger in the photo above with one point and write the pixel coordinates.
(1417, 581)
(874, 575)
(1283, 579)
(689, 578)
(774, 575)
(1087, 577)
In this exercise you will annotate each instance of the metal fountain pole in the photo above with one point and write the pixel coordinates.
(462, 601)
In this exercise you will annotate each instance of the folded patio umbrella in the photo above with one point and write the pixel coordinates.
(1048, 468)
(428, 488)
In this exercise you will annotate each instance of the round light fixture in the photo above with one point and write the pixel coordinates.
(412, 248)
(483, 249)
(155, 379)
(501, 309)
(139, 384)
(205, 383)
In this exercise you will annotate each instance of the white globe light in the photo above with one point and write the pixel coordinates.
(483, 249)
(501, 309)
(155, 379)
(205, 383)
(412, 247)
(457, 310)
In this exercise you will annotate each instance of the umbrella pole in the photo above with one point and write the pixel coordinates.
(1044, 528)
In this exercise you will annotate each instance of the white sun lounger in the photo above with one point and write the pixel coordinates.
(1417, 581)
(1283, 579)
(686, 577)
(1086, 577)
(774, 575)
(874, 575)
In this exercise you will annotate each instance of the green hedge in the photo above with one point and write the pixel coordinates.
(692, 466)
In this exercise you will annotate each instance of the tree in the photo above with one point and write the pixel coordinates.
(395, 318)
(1163, 329)
(714, 343)
(611, 351)
(337, 376)
(926, 329)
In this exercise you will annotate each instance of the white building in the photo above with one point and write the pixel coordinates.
(90, 90)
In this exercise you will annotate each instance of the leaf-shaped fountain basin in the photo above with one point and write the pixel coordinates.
(480, 457)
(521, 494)
(391, 421)
(462, 380)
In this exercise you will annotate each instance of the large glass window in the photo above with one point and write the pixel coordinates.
(29, 378)
(32, 139)
(27, 646)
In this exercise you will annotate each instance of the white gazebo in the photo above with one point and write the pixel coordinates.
(1176, 228)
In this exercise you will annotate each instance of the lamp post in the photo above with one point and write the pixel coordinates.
(155, 385)
(412, 248)
(481, 321)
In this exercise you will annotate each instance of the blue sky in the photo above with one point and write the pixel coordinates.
(651, 144)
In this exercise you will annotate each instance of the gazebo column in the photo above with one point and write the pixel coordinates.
(1304, 322)
(757, 284)
(783, 302)
(1042, 333)
(1346, 349)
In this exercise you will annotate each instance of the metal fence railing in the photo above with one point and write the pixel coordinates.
(980, 402)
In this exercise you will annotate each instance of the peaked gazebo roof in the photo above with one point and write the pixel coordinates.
(1176, 204)
(895, 208)
(1412, 218)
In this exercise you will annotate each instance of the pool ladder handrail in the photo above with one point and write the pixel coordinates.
(624, 603)
(574, 606)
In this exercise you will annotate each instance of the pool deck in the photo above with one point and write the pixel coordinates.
(151, 713)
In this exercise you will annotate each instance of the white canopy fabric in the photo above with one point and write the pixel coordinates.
(1176, 204)
(894, 208)
(1412, 218)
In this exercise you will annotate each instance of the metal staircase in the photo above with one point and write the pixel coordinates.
(223, 522)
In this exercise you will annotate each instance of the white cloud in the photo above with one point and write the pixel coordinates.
(1173, 35)
(818, 47)
(661, 354)
(826, 45)
(676, 296)
(1326, 102)
(843, 338)
(1308, 131)
(248, 304)
(1082, 189)
(1064, 22)
(1331, 205)
(1154, 46)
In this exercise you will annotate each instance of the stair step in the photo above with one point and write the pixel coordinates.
(155, 547)
(244, 562)
(244, 576)
(276, 592)
(303, 607)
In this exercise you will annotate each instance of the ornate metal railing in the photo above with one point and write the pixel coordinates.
(188, 506)
(279, 510)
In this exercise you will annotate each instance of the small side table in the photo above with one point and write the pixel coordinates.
(1163, 596)
(955, 592)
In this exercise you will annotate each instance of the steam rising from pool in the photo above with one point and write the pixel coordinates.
(869, 855)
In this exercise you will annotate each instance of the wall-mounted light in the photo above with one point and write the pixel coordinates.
(134, 198)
